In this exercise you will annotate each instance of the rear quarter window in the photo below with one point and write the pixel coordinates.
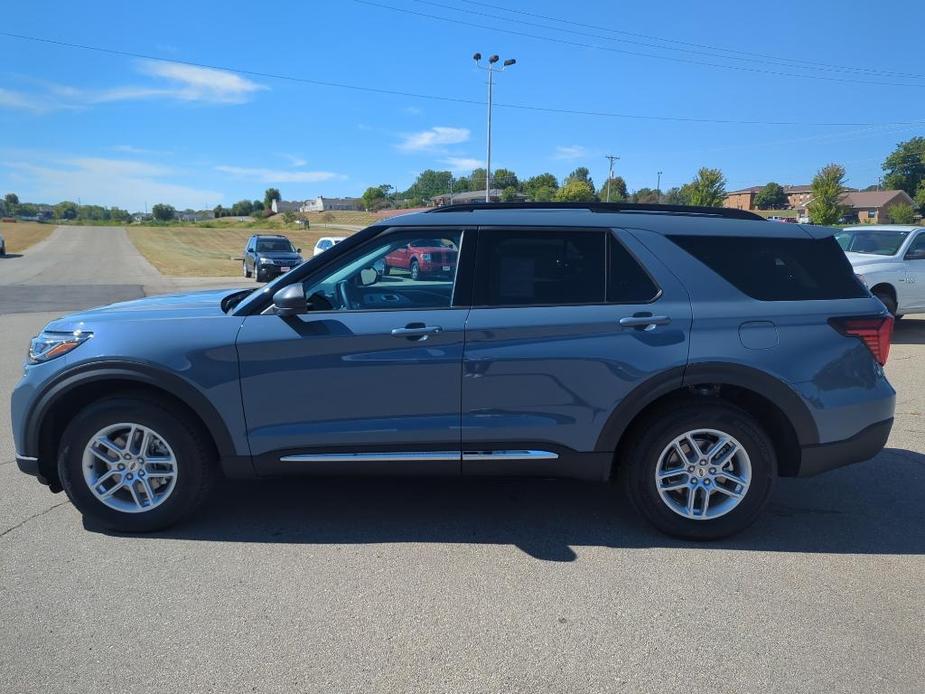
(777, 269)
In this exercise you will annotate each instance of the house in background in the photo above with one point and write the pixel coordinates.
(744, 199)
(195, 215)
(281, 206)
(870, 207)
(472, 196)
(323, 204)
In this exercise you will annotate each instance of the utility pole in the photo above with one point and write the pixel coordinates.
(610, 157)
(492, 60)
(658, 188)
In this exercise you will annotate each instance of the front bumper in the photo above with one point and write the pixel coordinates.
(862, 446)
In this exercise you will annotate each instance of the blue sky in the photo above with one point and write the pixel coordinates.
(119, 130)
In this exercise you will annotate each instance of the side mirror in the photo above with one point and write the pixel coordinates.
(290, 300)
(917, 254)
(368, 277)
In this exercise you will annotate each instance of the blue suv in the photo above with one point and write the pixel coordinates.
(693, 354)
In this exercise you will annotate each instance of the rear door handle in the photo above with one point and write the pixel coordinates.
(418, 331)
(644, 321)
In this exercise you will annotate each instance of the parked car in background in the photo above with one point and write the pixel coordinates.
(890, 261)
(267, 256)
(326, 243)
(2, 245)
(423, 258)
(693, 354)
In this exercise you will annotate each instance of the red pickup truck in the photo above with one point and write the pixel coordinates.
(423, 257)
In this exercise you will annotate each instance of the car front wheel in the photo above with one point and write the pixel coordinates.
(701, 471)
(132, 465)
(415, 270)
(247, 273)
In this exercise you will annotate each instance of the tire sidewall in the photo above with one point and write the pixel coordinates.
(643, 489)
(190, 466)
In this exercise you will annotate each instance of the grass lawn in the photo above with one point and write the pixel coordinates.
(196, 251)
(21, 235)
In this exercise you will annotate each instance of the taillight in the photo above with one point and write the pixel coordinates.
(875, 332)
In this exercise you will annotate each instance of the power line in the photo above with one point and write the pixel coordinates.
(451, 99)
(579, 44)
(755, 59)
(763, 56)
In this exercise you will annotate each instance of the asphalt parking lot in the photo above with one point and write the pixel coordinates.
(412, 585)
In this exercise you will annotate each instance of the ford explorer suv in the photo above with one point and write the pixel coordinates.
(890, 260)
(269, 256)
(694, 355)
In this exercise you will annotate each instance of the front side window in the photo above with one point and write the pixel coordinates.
(399, 270)
(917, 248)
(540, 267)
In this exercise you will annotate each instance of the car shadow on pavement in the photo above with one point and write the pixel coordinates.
(909, 332)
(10, 256)
(871, 508)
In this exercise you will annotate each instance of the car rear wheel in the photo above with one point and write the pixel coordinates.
(415, 270)
(887, 300)
(132, 465)
(701, 471)
(247, 273)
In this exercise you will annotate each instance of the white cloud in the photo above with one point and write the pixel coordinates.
(280, 175)
(433, 139)
(294, 161)
(570, 152)
(462, 164)
(131, 149)
(175, 82)
(126, 183)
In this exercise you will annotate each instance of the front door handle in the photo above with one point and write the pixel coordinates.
(644, 321)
(417, 331)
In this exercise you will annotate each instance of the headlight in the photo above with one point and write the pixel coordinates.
(50, 345)
(266, 261)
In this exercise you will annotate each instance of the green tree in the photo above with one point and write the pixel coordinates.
(11, 200)
(242, 208)
(541, 188)
(373, 197)
(269, 196)
(576, 190)
(461, 184)
(646, 196)
(920, 198)
(477, 179)
(428, 184)
(617, 189)
(289, 216)
(504, 178)
(219, 212)
(66, 210)
(771, 197)
(581, 174)
(677, 196)
(901, 213)
(708, 189)
(828, 188)
(163, 212)
(509, 194)
(259, 206)
(904, 169)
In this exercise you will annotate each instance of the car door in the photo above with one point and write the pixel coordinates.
(565, 324)
(368, 378)
(249, 262)
(914, 262)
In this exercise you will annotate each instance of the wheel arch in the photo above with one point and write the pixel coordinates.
(773, 403)
(73, 389)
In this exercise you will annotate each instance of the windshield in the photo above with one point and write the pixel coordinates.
(871, 241)
(274, 245)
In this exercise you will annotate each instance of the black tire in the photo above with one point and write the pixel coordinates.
(887, 300)
(247, 273)
(415, 269)
(196, 466)
(637, 471)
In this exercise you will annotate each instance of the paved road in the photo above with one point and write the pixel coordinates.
(491, 586)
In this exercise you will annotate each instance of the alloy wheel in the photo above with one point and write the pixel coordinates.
(703, 474)
(129, 467)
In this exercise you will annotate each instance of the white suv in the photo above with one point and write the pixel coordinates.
(890, 260)
(325, 243)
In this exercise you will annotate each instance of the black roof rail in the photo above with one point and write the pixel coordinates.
(624, 207)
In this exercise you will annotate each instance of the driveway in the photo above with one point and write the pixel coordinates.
(441, 586)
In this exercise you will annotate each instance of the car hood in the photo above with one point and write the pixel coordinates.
(190, 305)
(862, 260)
(279, 255)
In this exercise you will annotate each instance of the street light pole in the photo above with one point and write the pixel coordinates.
(658, 187)
(492, 61)
(611, 157)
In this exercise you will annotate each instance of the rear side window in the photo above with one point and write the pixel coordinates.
(542, 267)
(777, 269)
(627, 281)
